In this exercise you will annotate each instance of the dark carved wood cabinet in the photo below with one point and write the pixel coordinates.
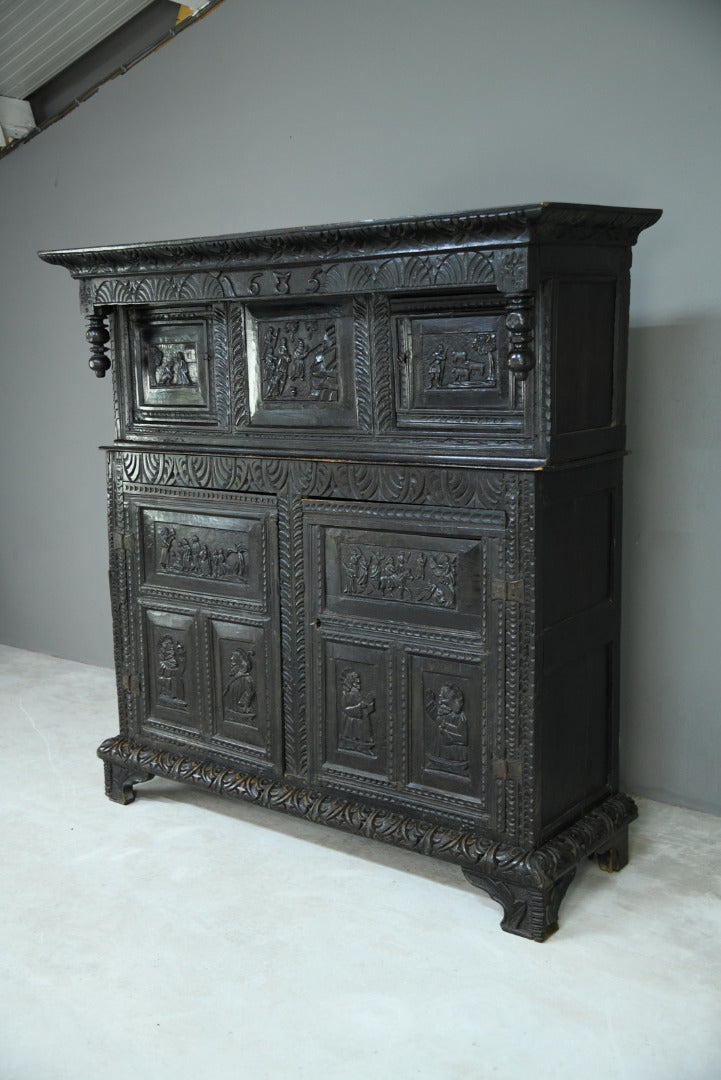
(365, 519)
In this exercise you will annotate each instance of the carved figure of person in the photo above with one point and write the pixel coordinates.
(436, 367)
(164, 369)
(171, 669)
(323, 374)
(186, 555)
(218, 563)
(356, 730)
(450, 745)
(350, 565)
(239, 694)
(181, 372)
(204, 568)
(167, 538)
(297, 368)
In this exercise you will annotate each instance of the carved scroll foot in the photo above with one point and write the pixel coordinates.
(119, 782)
(531, 911)
(613, 856)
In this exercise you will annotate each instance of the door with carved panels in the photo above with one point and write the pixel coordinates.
(204, 621)
(405, 653)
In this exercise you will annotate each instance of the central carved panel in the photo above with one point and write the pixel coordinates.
(299, 360)
(414, 576)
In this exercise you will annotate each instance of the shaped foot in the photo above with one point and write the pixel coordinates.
(531, 911)
(119, 782)
(613, 856)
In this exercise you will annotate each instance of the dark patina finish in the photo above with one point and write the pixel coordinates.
(365, 522)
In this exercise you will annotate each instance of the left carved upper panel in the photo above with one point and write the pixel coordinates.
(177, 368)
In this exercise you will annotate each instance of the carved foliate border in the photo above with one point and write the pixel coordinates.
(539, 867)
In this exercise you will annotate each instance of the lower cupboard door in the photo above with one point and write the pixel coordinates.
(404, 654)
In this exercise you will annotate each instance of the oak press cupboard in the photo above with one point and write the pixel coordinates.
(365, 519)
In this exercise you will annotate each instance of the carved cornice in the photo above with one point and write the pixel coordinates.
(567, 222)
(540, 867)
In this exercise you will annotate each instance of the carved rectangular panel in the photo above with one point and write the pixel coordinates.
(406, 576)
(246, 690)
(220, 555)
(449, 726)
(178, 360)
(171, 672)
(353, 693)
(301, 365)
(451, 366)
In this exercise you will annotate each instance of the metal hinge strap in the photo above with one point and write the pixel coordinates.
(123, 541)
(131, 683)
(513, 592)
(503, 769)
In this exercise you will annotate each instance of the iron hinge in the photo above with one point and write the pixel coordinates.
(503, 769)
(513, 592)
(123, 541)
(131, 682)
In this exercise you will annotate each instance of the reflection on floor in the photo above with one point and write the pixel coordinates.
(184, 936)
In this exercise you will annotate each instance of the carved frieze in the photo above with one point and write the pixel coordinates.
(411, 576)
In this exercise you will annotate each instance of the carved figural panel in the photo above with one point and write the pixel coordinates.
(215, 554)
(452, 365)
(301, 368)
(449, 726)
(172, 698)
(419, 579)
(245, 700)
(172, 361)
(355, 736)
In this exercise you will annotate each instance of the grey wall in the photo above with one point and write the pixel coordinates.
(286, 113)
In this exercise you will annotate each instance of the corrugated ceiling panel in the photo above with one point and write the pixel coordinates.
(40, 38)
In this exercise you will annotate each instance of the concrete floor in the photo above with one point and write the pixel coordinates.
(184, 936)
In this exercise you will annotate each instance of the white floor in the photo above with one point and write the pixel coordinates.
(184, 936)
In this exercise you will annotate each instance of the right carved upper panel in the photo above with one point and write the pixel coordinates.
(451, 366)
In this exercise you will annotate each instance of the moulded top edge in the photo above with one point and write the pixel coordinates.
(568, 222)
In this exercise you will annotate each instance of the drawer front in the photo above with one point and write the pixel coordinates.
(404, 651)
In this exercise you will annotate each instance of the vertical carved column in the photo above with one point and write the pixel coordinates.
(98, 336)
(519, 323)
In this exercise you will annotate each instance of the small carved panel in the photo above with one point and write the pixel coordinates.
(172, 358)
(356, 727)
(448, 725)
(242, 709)
(452, 365)
(214, 554)
(298, 360)
(172, 670)
(301, 365)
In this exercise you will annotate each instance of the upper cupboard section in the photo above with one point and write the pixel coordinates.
(490, 336)
(374, 369)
